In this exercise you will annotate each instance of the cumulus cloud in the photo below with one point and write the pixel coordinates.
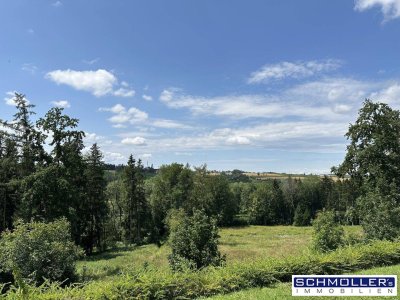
(114, 157)
(99, 83)
(9, 98)
(299, 69)
(122, 114)
(137, 141)
(147, 97)
(123, 92)
(132, 115)
(61, 103)
(389, 8)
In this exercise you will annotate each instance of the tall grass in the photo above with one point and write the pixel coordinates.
(153, 284)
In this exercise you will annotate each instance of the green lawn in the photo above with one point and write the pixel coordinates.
(284, 290)
(239, 244)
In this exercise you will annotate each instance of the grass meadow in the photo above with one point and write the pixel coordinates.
(260, 262)
(284, 290)
(238, 243)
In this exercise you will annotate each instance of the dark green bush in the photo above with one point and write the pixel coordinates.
(38, 251)
(234, 277)
(194, 241)
(328, 235)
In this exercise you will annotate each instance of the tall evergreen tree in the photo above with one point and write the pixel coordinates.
(135, 203)
(93, 209)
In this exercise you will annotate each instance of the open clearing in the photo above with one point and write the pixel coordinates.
(284, 290)
(238, 243)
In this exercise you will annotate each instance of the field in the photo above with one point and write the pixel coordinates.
(239, 244)
(284, 290)
(257, 256)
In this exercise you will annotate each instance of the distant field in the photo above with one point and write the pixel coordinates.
(284, 290)
(239, 244)
(270, 175)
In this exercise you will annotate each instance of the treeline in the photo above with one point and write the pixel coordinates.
(294, 201)
(44, 176)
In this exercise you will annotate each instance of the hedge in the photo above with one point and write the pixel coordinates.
(211, 281)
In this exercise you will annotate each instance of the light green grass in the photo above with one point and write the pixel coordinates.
(238, 243)
(284, 290)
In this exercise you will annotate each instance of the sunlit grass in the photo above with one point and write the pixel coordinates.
(239, 244)
(284, 290)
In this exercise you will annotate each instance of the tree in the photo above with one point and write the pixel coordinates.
(26, 136)
(194, 241)
(171, 188)
(327, 233)
(67, 143)
(136, 208)
(372, 160)
(39, 251)
(94, 207)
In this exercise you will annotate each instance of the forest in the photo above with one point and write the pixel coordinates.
(54, 189)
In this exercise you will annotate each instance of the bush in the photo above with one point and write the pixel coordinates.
(380, 215)
(234, 277)
(194, 241)
(328, 235)
(38, 251)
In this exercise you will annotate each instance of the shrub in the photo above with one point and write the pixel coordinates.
(37, 251)
(328, 234)
(234, 277)
(194, 241)
(380, 215)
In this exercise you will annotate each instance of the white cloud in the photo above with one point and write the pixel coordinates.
(390, 8)
(147, 97)
(163, 123)
(390, 95)
(342, 108)
(299, 69)
(57, 4)
(9, 98)
(114, 157)
(29, 67)
(124, 115)
(306, 101)
(146, 155)
(91, 137)
(61, 103)
(238, 140)
(137, 141)
(119, 126)
(123, 92)
(99, 83)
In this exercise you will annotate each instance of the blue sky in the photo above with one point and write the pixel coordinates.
(254, 85)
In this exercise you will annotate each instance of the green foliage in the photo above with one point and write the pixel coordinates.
(372, 160)
(135, 206)
(38, 251)
(302, 215)
(194, 241)
(328, 234)
(234, 277)
(380, 215)
(93, 210)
